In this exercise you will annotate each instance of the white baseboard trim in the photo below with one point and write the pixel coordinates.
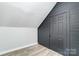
(17, 48)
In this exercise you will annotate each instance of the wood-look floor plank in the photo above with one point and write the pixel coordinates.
(36, 50)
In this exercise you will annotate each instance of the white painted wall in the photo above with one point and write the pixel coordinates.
(24, 14)
(15, 37)
(18, 23)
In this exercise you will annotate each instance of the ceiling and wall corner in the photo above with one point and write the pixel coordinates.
(19, 23)
(24, 14)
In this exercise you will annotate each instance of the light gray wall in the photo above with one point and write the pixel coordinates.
(28, 14)
(13, 37)
(19, 23)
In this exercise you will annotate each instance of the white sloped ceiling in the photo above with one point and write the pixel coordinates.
(24, 14)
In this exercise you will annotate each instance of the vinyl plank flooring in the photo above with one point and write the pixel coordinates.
(36, 50)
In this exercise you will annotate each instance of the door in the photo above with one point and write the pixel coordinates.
(58, 32)
(62, 32)
(53, 33)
